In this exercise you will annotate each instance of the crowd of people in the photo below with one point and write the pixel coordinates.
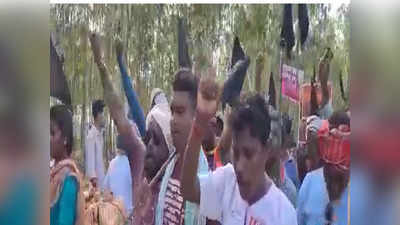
(186, 163)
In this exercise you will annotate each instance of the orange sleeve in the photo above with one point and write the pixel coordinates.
(217, 157)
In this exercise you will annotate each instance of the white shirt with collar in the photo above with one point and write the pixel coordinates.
(94, 154)
(220, 200)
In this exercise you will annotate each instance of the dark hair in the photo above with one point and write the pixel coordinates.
(220, 122)
(187, 82)
(121, 143)
(61, 115)
(97, 107)
(287, 137)
(254, 115)
(339, 118)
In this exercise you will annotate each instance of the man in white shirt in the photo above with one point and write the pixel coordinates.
(118, 179)
(238, 193)
(95, 144)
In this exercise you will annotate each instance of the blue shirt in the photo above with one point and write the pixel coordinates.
(291, 172)
(372, 204)
(313, 199)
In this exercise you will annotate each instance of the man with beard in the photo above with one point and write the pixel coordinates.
(145, 160)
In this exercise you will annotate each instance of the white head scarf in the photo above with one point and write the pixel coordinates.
(158, 97)
(313, 124)
(162, 116)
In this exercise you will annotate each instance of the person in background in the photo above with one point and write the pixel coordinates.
(308, 156)
(64, 176)
(95, 145)
(240, 193)
(286, 184)
(291, 167)
(220, 146)
(222, 154)
(209, 143)
(323, 196)
(157, 97)
(288, 159)
(212, 147)
(118, 180)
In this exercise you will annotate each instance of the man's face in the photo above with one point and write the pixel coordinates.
(182, 112)
(157, 149)
(209, 138)
(101, 120)
(249, 159)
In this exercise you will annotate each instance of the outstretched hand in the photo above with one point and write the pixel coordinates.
(95, 44)
(207, 97)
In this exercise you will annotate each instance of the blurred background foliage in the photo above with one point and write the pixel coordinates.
(149, 34)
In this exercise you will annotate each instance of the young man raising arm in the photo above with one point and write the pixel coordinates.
(240, 193)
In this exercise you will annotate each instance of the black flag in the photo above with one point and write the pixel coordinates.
(303, 22)
(237, 52)
(183, 51)
(287, 33)
(313, 98)
(58, 82)
(271, 92)
(237, 72)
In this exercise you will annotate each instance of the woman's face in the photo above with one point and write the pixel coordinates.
(157, 149)
(57, 140)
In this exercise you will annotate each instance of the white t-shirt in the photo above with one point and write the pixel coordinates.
(220, 200)
(119, 181)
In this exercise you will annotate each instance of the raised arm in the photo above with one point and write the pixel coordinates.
(225, 142)
(207, 102)
(133, 101)
(324, 67)
(130, 136)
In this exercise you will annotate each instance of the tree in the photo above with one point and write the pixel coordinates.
(150, 40)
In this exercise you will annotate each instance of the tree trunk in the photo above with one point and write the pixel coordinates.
(259, 70)
(84, 96)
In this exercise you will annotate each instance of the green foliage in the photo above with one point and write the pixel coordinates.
(149, 34)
